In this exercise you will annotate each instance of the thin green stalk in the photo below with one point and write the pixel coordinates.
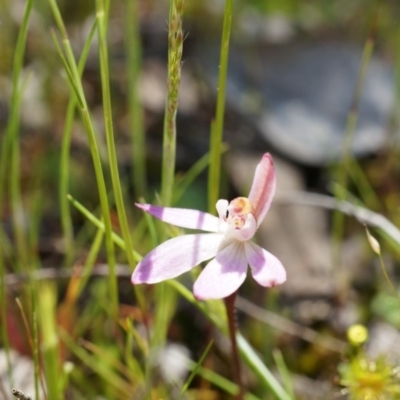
(90, 261)
(122, 389)
(195, 370)
(217, 126)
(104, 210)
(376, 247)
(17, 208)
(218, 380)
(13, 124)
(34, 263)
(360, 180)
(175, 46)
(31, 340)
(73, 74)
(66, 221)
(152, 230)
(11, 142)
(342, 176)
(392, 288)
(100, 225)
(102, 12)
(195, 170)
(231, 316)
(108, 358)
(132, 362)
(112, 154)
(166, 300)
(49, 339)
(35, 339)
(134, 58)
(284, 373)
(261, 371)
(35, 215)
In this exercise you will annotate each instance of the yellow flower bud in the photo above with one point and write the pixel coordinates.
(357, 334)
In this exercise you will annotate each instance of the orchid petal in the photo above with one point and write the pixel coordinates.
(176, 256)
(223, 275)
(263, 188)
(222, 208)
(267, 270)
(183, 217)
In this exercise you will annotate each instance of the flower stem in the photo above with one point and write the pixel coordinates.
(231, 314)
(217, 126)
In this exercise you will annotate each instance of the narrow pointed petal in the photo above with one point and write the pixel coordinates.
(263, 188)
(267, 270)
(223, 275)
(183, 217)
(176, 256)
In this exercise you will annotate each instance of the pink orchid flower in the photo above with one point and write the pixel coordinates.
(229, 243)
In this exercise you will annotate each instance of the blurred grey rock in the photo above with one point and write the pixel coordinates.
(311, 389)
(273, 28)
(23, 374)
(299, 96)
(384, 339)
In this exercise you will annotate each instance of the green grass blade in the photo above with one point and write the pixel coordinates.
(100, 225)
(131, 361)
(133, 52)
(219, 381)
(66, 221)
(12, 143)
(118, 385)
(217, 126)
(90, 261)
(197, 367)
(35, 339)
(181, 185)
(112, 154)
(49, 339)
(284, 373)
(260, 370)
(351, 124)
(74, 76)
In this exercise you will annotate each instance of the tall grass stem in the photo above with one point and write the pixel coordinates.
(134, 58)
(108, 122)
(11, 150)
(217, 126)
(72, 71)
(351, 124)
(175, 46)
(66, 220)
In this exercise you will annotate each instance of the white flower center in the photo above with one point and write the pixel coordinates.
(237, 218)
